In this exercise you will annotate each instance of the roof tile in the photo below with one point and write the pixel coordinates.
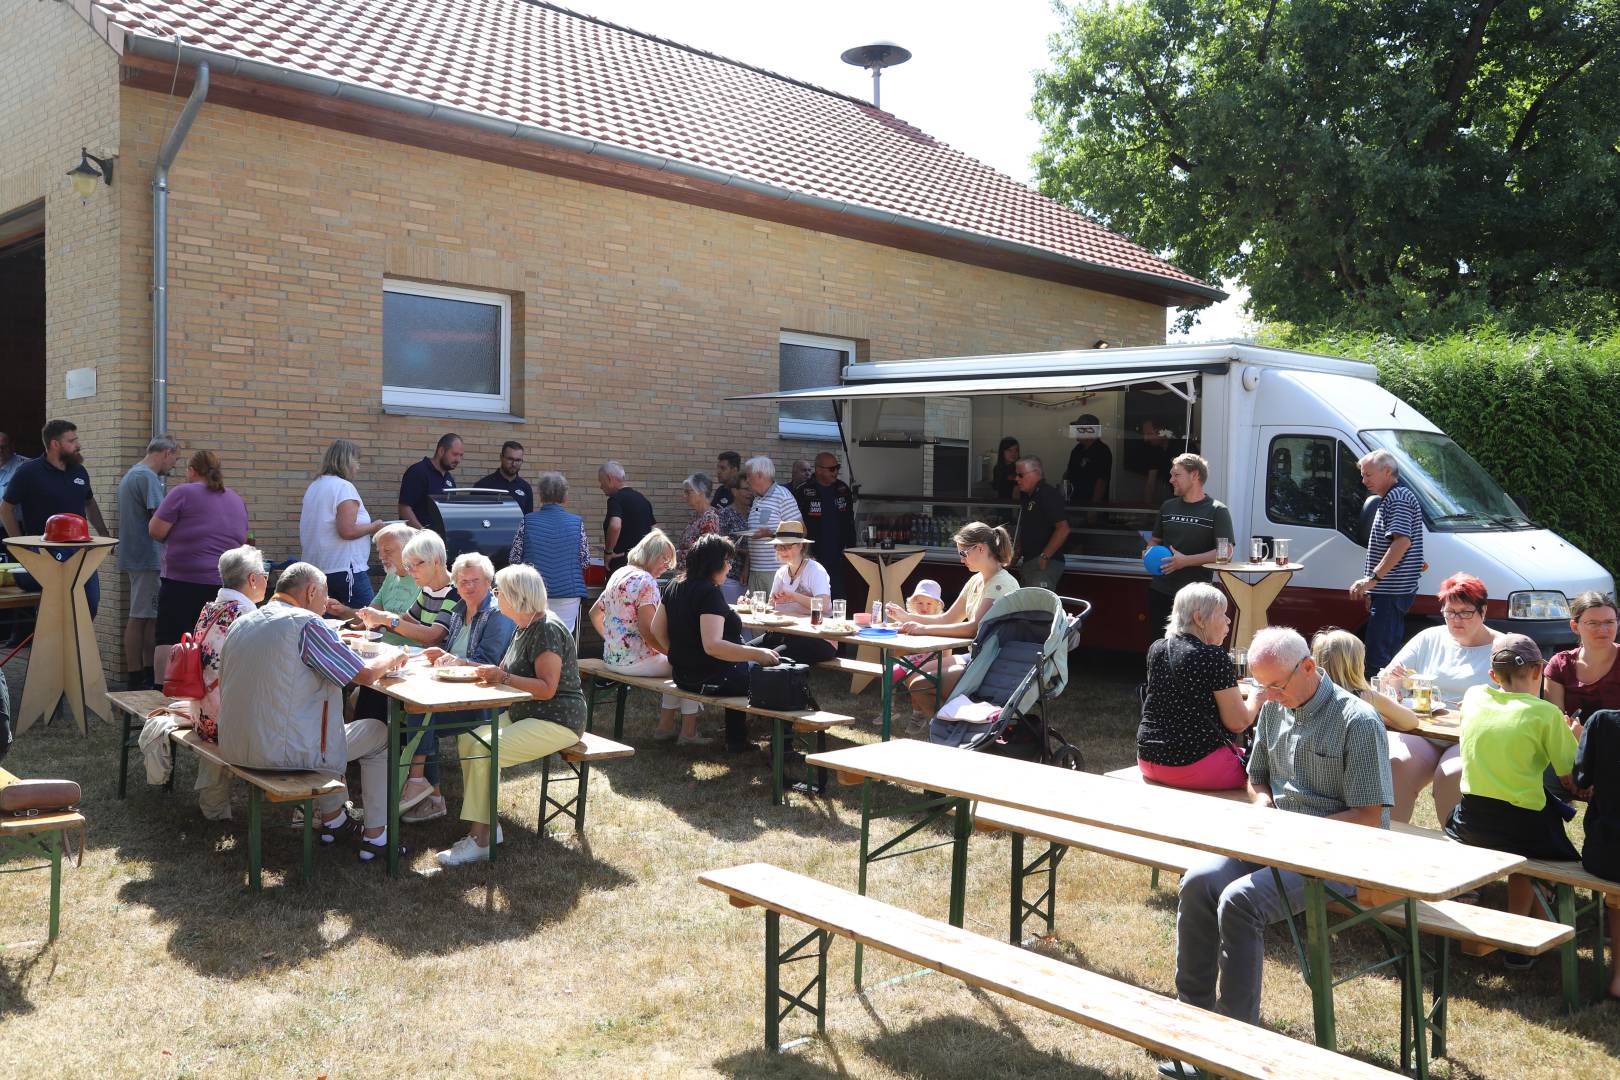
(535, 63)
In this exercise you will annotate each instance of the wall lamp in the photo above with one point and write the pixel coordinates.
(85, 174)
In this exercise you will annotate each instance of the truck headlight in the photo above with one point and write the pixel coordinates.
(1538, 605)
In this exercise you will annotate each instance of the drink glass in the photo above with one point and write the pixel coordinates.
(1240, 663)
(759, 602)
(816, 609)
(840, 608)
(1279, 551)
(1257, 550)
(877, 613)
(1223, 550)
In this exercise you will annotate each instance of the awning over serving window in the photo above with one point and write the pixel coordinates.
(1179, 383)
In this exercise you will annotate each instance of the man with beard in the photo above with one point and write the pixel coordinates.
(506, 478)
(427, 478)
(53, 483)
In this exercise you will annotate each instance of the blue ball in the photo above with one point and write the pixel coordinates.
(1154, 558)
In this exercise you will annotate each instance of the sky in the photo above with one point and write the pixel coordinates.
(969, 81)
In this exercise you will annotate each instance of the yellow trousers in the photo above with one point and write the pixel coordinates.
(526, 740)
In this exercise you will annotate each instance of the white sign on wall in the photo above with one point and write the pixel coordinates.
(81, 383)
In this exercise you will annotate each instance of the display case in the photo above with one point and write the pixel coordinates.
(1095, 532)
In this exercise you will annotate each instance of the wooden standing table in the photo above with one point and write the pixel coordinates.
(1253, 586)
(892, 650)
(885, 571)
(66, 661)
(1387, 869)
(418, 693)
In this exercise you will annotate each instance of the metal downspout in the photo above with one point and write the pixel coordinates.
(160, 250)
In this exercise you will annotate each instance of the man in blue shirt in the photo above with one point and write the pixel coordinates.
(54, 483)
(1394, 559)
(425, 479)
(506, 478)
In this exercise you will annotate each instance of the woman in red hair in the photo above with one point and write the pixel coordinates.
(1457, 655)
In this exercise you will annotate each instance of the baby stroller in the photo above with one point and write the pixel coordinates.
(1020, 662)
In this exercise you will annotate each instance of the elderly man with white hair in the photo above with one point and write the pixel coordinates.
(773, 504)
(1318, 750)
(282, 676)
(1394, 558)
(629, 515)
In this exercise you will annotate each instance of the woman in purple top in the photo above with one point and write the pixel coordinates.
(196, 523)
(1584, 679)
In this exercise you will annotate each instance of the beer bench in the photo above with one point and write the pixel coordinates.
(794, 726)
(1160, 1024)
(43, 835)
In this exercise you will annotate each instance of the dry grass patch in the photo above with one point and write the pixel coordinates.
(606, 957)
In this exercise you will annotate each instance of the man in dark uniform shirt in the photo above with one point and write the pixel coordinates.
(629, 515)
(727, 464)
(1042, 530)
(425, 479)
(506, 478)
(1091, 464)
(828, 507)
(53, 483)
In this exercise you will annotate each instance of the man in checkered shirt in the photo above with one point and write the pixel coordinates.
(1318, 750)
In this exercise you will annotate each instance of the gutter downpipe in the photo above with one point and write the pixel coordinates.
(160, 249)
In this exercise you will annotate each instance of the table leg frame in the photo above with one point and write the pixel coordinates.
(933, 808)
(775, 958)
(1043, 905)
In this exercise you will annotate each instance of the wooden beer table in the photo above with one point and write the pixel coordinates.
(66, 662)
(1253, 586)
(885, 571)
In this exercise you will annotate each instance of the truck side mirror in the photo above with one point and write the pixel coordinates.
(1364, 524)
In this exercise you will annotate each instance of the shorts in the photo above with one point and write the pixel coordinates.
(1494, 823)
(143, 594)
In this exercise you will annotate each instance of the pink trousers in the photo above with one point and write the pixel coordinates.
(1220, 770)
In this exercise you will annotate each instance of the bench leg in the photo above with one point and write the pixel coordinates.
(1319, 962)
(579, 811)
(309, 839)
(1442, 996)
(574, 808)
(255, 839)
(53, 842)
(1414, 979)
(775, 1009)
(778, 753)
(1569, 961)
(618, 712)
(591, 689)
(123, 755)
(1601, 968)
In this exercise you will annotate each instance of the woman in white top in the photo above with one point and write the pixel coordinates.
(1458, 656)
(334, 530)
(796, 583)
(985, 551)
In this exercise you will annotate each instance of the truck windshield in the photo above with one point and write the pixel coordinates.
(1457, 494)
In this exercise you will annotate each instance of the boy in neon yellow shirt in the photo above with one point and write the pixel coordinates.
(1509, 738)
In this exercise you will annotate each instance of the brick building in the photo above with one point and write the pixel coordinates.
(490, 216)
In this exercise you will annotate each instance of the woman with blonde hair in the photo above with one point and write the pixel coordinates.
(196, 523)
(985, 550)
(1343, 658)
(334, 528)
(623, 615)
(541, 662)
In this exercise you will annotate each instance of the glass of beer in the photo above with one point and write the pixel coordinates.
(1279, 551)
(816, 612)
(1223, 550)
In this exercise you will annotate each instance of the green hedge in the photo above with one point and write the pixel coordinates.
(1540, 412)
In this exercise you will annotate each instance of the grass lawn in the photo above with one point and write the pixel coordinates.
(606, 957)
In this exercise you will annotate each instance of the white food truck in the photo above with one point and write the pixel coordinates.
(1282, 432)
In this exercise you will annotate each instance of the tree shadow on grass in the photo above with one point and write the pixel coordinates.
(196, 871)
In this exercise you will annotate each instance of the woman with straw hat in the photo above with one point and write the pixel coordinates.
(799, 582)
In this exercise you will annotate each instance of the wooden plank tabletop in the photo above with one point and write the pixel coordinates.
(1316, 847)
(800, 627)
(1445, 727)
(1161, 1024)
(420, 692)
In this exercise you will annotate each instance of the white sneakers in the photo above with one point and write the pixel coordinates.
(466, 850)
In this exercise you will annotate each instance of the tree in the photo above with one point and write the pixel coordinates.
(1408, 166)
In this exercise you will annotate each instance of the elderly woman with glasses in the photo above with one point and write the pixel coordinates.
(698, 490)
(1457, 656)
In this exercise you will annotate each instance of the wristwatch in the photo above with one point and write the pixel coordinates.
(393, 622)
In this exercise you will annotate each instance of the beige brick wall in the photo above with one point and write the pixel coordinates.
(637, 315)
(59, 91)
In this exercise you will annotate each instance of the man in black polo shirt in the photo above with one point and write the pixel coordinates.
(53, 483)
(629, 515)
(1091, 463)
(425, 479)
(506, 478)
(726, 466)
(1043, 527)
(828, 507)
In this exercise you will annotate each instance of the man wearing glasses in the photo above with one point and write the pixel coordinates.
(506, 478)
(828, 507)
(1394, 558)
(1318, 750)
(1043, 527)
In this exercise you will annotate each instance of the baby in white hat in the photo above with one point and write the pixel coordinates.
(925, 599)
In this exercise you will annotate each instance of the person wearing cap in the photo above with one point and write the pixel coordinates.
(1509, 738)
(53, 483)
(828, 507)
(799, 581)
(1091, 463)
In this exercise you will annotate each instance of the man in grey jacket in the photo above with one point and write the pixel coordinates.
(282, 676)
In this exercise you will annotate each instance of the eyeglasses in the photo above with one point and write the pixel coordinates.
(1288, 679)
(1026, 472)
(1460, 614)
(834, 467)
(963, 551)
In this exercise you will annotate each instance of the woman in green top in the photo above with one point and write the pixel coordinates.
(541, 662)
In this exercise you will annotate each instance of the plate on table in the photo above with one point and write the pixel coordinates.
(836, 628)
(456, 674)
(877, 631)
(774, 620)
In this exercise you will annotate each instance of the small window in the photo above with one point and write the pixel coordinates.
(1312, 480)
(805, 360)
(446, 348)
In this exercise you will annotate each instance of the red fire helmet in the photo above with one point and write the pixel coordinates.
(67, 529)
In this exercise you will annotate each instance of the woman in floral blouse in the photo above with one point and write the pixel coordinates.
(243, 581)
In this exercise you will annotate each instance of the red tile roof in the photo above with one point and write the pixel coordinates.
(537, 64)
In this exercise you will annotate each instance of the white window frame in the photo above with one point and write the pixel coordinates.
(810, 429)
(414, 397)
